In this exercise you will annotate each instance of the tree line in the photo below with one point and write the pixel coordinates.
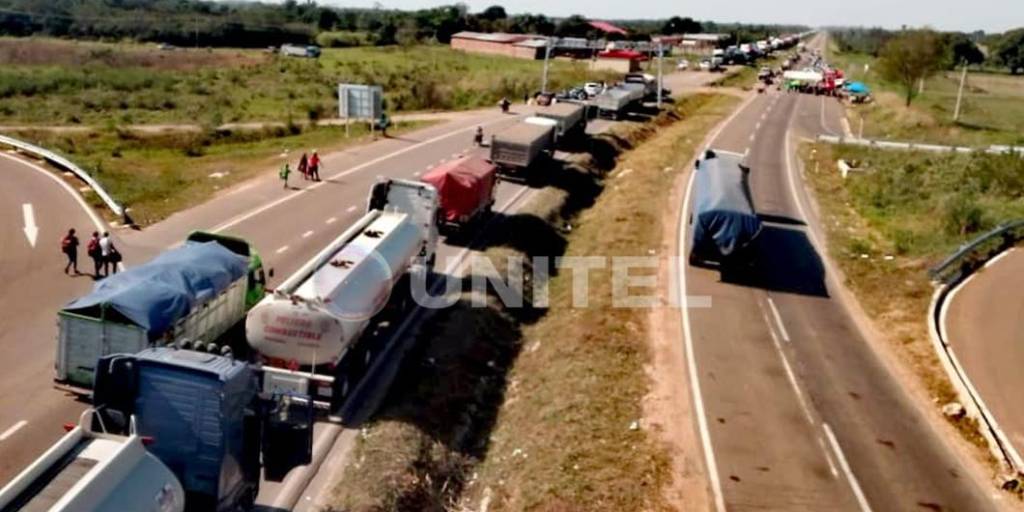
(945, 50)
(241, 24)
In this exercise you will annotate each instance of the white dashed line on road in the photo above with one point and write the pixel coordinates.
(14, 429)
(778, 320)
(281, 250)
(861, 499)
(332, 220)
(307, 234)
(828, 458)
(753, 137)
(417, 174)
(757, 126)
(350, 209)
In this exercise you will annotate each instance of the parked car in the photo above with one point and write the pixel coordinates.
(593, 89)
(705, 65)
(683, 65)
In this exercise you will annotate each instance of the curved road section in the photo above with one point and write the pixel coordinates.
(982, 321)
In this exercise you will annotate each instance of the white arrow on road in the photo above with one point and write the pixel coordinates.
(31, 231)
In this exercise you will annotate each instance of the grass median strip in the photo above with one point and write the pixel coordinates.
(156, 175)
(901, 213)
(524, 408)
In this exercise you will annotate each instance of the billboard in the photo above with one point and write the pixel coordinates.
(359, 101)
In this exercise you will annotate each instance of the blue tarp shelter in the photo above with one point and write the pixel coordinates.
(857, 88)
(162, 291)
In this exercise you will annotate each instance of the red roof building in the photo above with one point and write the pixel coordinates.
(608, 28)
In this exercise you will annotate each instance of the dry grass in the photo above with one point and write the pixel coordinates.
(530, 408)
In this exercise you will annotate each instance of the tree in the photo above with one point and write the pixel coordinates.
(911, 57)
(494, 12)
(573, 26)
(963, 50)
(1011, 50)
(677, 25)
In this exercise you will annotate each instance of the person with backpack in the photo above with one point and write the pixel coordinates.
(314, 166)
(69, 246)
(94, 252)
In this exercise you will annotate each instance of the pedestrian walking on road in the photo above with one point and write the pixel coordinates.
(94, 252)
(283, 174)
(69, 246)
(314, 166)
(304, 166)
(109, 254)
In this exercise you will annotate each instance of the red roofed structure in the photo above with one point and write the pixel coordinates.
(607, 28)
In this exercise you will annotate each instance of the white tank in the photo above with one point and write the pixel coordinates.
(330, 309)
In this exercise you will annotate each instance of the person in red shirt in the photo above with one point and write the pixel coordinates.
(314, 166)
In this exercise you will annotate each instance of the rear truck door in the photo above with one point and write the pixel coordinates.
(287, 435)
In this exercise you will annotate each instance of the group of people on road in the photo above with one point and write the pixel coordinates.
(309, 166)
(100, 248)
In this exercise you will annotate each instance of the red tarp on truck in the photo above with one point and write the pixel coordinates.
(465, 185)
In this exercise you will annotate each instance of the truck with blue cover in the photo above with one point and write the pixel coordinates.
(723, 222)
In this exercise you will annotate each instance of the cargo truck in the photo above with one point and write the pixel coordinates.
(309, 333)
(617, 101)
(466, 189)
(515, 150)
(171, 430)
(646, 83)
(570, 119)
(94, 471)
(723, 222)
(197, 291)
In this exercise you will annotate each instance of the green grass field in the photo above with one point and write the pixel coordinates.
(157, 175)
(49, 81)
(992, 110)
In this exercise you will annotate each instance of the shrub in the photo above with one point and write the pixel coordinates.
(963, 215)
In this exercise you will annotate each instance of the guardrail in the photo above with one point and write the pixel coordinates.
(909, 146)
(975, 253)
(69, 166)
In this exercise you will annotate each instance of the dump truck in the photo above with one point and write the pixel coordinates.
(615, 102)
(516, 149)
(93, 471)
(309, 333)
(170, 430)
(466, 189)
(197, 291)
(723, 222)
(571, 119)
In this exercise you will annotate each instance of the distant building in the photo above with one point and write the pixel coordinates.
(702, 43)
(608, 28)
(622, 61)
(520, 46)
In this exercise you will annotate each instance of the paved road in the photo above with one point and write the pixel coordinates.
(288, 226)
(983, 321)
(799, 412)
(34, 289)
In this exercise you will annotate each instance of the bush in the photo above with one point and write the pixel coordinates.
(964, 216)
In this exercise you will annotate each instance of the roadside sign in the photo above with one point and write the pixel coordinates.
(360, 101)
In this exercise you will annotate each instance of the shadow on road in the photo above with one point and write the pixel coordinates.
(785, 262)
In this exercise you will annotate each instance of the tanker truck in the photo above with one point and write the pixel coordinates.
(310, 334)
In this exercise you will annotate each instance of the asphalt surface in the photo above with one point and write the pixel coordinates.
(288, 226)
(983, 321)
(799, 413)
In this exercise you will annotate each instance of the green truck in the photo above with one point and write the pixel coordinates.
(195, 292)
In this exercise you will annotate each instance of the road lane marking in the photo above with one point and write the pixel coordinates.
(417, 174)
(281, 249)
(828, 458)
(31, 230)
(753, 137)
(307, 234)
(861, 499)
(273, 204)
(14, 429)
(757, 126)
(331, 220)
(778, 320)
(96, 221)
(785, 365)
(350, 209)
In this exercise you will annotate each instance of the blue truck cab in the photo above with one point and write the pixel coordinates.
(205, 420)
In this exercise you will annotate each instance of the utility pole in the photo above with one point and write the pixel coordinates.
(547, 57)
(661, 57)
(195, 28)
(960, 93)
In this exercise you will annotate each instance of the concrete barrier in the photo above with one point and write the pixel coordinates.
(914, 146)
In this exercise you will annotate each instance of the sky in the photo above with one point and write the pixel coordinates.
(962, 15)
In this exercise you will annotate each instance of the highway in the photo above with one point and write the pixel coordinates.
(287, 226)
(982, 320)
(797, 410)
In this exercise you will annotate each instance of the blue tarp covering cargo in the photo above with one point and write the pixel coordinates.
(158, 293)
(723, 219)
